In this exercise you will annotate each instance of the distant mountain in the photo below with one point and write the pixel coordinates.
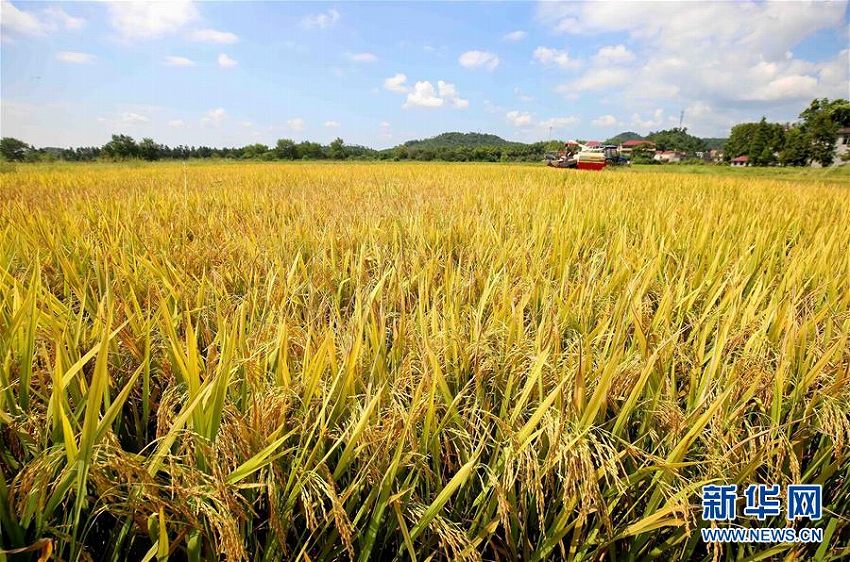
(454, 140)
(623, 137)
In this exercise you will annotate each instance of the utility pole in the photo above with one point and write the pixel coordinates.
(681, 118)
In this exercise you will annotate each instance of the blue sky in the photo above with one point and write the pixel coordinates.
(230, 73)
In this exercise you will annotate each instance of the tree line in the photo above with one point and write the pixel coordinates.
(811, 139)
(124, 147)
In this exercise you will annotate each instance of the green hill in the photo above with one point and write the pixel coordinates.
(623, 137)
(454, 140)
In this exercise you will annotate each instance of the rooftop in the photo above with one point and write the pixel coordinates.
(637, 142)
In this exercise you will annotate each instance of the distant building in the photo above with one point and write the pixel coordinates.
(668, 156)
(842, 147)
(593, 144)
(715, 155)
(629, 145)
(842, 144)
(741, 161)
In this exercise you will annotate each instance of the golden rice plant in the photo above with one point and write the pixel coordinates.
(426, 362)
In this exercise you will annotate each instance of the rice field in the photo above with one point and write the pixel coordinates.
(322, 362)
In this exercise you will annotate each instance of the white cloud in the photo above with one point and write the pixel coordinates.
(296, 124)
(74, 57)
(148, 20)
(322, 20)
(176, 123)
(213, 36)
(614, 54)
(558, 122)
(605, 121)
(131, 118)
(721, 54)
(449, 93)
(214, 116)
(554, 57)
(423, 95)
(396, 83)
(60, 16)
(178, 61)
(522, 96)
(653, 122)
(225, 61)
(479, 59)
(794, 86)
(332, 124)
(514, 36)
(362, 57)
(491, 107)
(596, 79)
(385, 130)
(20, 22)
(519, 118)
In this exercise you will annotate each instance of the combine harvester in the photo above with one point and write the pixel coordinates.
(582, 157)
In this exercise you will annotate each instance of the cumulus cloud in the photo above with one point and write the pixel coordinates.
(522, 96)
(131, 118)
(519, 118)
(558, 122)
(596, 79)
(214, 116)
(148, 20)
(74, 57)
(321, 20)
(25, 22)
(614, 54)
(449, 93)
(479, 59)
(60, 17)
(423, 95)
(605, 121)
(178, 61)
(396, 83)
(554, 57)
(296, 124)
(723, 54)
(332, 124)
(225, 61)
(514, 36)
(362, 57)
(794, 86)
(654, 121)
(213, 36)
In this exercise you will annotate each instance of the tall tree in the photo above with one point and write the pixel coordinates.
(149, 150)
(121, 147)
(286, 150)
(797, 149)
(336, 150)
(822, 129)
(14, 150)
